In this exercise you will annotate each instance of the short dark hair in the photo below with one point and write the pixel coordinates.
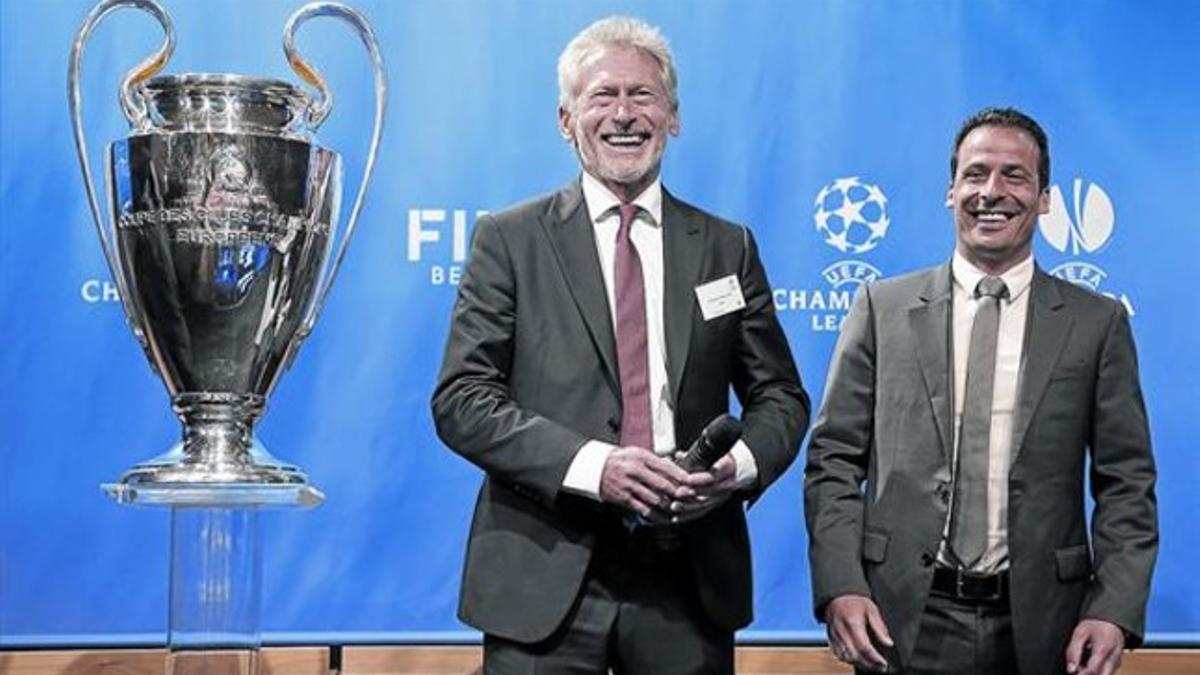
(1005, 117)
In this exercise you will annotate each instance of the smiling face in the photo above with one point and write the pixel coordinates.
(995, 197)
(618, 119)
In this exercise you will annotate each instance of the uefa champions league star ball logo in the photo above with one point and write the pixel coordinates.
(851, 215)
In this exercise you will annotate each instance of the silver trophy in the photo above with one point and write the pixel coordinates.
(222, 245)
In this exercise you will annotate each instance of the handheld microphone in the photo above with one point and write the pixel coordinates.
(715, 440)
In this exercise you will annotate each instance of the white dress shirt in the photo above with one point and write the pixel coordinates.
(583, 476)
(1010, 342)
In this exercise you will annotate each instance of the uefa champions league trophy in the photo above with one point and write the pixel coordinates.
(221, 244)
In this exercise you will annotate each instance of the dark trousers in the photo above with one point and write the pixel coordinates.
(964, 638)
(639, 614)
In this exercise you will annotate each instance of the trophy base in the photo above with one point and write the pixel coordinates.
(178, 478)
(214, 495)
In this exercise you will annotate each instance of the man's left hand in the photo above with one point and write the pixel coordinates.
(1095, 648)
(711, 488)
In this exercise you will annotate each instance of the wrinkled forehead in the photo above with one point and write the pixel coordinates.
(624, 63)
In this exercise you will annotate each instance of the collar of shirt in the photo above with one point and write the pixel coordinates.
(967, 276)
(602, 203)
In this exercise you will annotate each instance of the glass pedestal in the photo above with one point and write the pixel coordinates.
(215, 594)
(216, 591)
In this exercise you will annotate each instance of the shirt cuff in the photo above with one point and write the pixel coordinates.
(747, 468)
(583, 476)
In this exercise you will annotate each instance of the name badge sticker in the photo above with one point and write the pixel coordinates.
(720, 297)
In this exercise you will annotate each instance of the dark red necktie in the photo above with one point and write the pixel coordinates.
(632, 341)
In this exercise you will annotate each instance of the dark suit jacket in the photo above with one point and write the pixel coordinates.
(887, 420)
(530, 374)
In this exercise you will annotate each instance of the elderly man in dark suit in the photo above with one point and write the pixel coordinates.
(597, 331)
(944, 489)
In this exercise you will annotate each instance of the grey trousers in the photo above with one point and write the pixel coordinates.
(964, 638)
(638, 614)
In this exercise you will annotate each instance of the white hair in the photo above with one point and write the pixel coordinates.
(615, 31)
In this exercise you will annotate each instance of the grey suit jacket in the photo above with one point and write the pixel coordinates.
(886, 422)
(530, 374)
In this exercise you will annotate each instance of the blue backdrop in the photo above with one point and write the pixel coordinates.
(788, 108)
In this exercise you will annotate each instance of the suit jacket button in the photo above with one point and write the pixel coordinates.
(926, 559)
(943, 493)
(614, 423)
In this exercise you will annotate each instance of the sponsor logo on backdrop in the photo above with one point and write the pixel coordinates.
(851, 217)
(1081, 231)
(437, 239)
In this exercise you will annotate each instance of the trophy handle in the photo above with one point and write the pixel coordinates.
(134, 107)
(317, 113)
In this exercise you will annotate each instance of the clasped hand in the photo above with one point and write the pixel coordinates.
(658, 490)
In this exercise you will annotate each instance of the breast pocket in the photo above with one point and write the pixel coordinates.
(713, 341)
(1072, 371)
(1069, 387)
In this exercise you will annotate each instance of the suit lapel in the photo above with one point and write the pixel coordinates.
(930, 322)
(1046, 331)
(569, 228)
(683, 258)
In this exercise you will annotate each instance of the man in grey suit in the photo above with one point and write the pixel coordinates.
(944, 488)
(597, 331)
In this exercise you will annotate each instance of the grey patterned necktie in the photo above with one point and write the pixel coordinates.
(968, 525)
